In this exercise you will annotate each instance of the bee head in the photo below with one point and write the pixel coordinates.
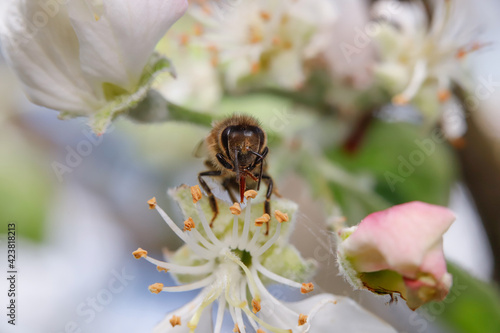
(241, 144)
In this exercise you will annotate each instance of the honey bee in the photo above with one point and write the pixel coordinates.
(236, 153)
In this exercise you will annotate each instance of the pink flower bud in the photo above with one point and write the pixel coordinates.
(399, 250)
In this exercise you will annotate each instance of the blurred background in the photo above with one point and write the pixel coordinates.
(79, 201)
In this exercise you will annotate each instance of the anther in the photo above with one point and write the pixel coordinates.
(280, 216)
(189, 224)
(140, 253)
(152, 203)
(156, 288)
(196, 193)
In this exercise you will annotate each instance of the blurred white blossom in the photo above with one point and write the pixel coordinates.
(87, 58)
(420, 60)
(265, 43)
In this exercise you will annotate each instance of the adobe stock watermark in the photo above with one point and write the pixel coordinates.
(363, 37)
(408, 164)
(88, 309)
(30, 26)
(75, 155)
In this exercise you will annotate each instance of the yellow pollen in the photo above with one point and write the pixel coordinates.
(280, 216)
(307, 288)
(161, 269)
(196, 193)
(235, 209)
(255, 68)
(184, 39)
(265, 15)
(444, 95)
(236, 329)
(96, 17)
(189, 224)
(250, 194)
(156, 288)
(256, 305)
(276, 41)
(399, 100)
(263, 219)
(198, 29)
(255, 36)
(260, 331)
(175, 320)
(152, 203)
(140, 253)
(302, 319)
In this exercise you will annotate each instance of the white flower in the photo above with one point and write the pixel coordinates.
(265, 42)
(87, 58)
(345, 46)
(420, 60)
(231, 263)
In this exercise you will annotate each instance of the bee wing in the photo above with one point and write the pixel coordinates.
(201, 149)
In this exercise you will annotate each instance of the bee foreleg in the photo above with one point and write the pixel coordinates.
(223, 161)
(211, 198)
(267, 204)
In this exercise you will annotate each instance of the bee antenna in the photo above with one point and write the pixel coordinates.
(256, 154)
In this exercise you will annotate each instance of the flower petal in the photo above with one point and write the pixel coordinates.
(397, 238)
(43, 51)
(116, 46)
(339, 314)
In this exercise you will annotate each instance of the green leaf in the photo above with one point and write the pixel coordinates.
(472, 306)
(404, 163)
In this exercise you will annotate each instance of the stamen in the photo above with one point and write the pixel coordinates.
(178, 269)
(265, 15)
(189, 286)
(302, 319)
(250, 194)
(246, 226)
(444, 95)
(234, 238)
(236, 329)
(251, 246)
(152, 203)
(268, 296)
(189, 224)
(220, 315)
(418, 77)
(276, 277)
(280, 216)
(175, 320)
(307, 288)
(269, 243)
(235, 209)
(263, 219)
(204, 241)
(255, 305)
(318, 306)
(162, 269)
(196, 193)
(140, 253)
(206, 226)
(251, 282)
(264, 324)
(155, 288)
(211, 296)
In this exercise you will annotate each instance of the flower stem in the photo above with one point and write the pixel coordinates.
(179, 113)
